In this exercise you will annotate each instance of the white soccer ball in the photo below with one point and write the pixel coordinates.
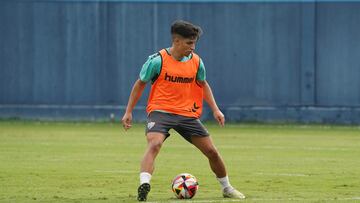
(185, 186)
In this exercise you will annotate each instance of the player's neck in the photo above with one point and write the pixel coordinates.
(176, 55)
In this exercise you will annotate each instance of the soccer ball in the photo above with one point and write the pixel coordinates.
(185, 186)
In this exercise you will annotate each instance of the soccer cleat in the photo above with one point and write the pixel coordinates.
(230, 192)
(143, 191)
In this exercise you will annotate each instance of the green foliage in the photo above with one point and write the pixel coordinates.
(99, 162)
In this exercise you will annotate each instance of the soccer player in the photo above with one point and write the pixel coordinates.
(177, 76)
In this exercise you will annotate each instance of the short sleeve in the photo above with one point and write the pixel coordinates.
(151, 68)
(201, 74)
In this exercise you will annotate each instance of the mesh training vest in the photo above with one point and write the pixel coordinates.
(175, 90)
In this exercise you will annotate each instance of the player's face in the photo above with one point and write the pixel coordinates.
(186, 46)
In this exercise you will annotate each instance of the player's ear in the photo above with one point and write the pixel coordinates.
(176, 38)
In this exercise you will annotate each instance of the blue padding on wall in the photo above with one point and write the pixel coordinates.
(291, 61)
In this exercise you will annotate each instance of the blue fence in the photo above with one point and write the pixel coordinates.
(266, 61)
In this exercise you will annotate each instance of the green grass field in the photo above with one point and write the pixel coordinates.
(99, 162)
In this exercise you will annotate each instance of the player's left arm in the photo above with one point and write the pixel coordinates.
(209, 98)
(208, 95)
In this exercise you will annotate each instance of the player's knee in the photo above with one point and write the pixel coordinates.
(155, 146)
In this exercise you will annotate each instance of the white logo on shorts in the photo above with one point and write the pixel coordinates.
(150, 125)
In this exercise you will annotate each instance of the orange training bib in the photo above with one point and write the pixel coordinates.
(176, 90)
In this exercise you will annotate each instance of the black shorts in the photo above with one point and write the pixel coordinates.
(186, 126)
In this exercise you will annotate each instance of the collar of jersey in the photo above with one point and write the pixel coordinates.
(184, 59)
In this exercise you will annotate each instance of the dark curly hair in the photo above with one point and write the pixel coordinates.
(186, 29)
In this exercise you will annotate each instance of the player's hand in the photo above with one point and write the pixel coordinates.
(219, 117)
(126, 121)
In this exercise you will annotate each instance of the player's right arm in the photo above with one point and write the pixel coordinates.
(134, 97)
(149, 71)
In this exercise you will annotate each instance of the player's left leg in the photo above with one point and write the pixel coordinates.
(195, 132)
(206, 146)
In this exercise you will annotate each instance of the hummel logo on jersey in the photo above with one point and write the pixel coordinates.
(178, 79)
(150, 125)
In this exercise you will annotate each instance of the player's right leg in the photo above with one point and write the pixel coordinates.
(154, 143)
(157, 130)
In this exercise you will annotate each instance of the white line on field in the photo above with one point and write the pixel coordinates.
(272, 147)
(200, 201)
(288, 148)
(284, 174)
(260, 199)
(115, 171)
(196, 201)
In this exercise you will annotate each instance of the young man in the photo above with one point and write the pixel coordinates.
(178, 87)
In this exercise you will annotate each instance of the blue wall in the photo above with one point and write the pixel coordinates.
(265, 61)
